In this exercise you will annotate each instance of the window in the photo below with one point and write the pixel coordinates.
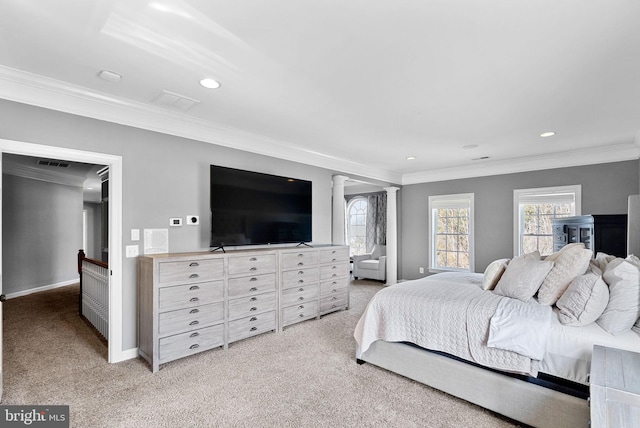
(357, 226)
(534, 211)
(451, 226)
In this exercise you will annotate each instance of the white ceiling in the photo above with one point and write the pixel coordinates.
(351, 85)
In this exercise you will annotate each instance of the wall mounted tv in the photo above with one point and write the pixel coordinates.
(251, 208)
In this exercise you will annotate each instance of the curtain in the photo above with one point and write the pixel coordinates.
(376, 220)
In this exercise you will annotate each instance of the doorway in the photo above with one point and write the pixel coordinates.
(115, 351)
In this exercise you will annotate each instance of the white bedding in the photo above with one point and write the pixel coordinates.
(448, 312)
(568, 349)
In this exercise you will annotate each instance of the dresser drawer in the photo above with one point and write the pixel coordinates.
(252, 325)
(339, 285)
(299, 260)
(252, 265)
(248, 285)
(297, 277)
(185, 296)
(182, 320)
(334, 302)
(301, 312)
(189, 271)
(252, 305)
(334, 255)
(181, 345)
(301, 294)
(334, 271)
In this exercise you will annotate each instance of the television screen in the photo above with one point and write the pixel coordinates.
(251, 208)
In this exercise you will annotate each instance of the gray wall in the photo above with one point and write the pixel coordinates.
(605, 189)
(94, 222)
(41, 233)
(163, 176)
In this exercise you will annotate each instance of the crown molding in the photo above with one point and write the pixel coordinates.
(597, 155)
(40, 174)
(32, 89)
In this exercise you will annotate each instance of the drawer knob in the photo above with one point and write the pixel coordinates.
(300, 281)
(301, 315)
(333, 306)
(253, 309)
(300, 298)
(253, 289)
(301, 307)
(253, 319)
(195, 334)
(194, 311)
(194, 275)
(196, 322)
(253, 328)
(300, 272)
(194, 287)
(194, 299)
(333, 260)
(334, 291)
(194, 264)
(300, 255)
(300, 289)
(253, 269)
(253, 279)
(334, 275)
(334, 267)
(253, 299)
(334, 298)
(300, 264)
(253, 259)
(194, 346)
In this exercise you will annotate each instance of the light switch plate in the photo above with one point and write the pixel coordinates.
(135, 234)
(132, 251)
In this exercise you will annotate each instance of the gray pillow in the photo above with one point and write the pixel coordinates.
(522, 278)
(584, 301)
(623, 308)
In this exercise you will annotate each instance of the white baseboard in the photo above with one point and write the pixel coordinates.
(42, 288)
(127, 354)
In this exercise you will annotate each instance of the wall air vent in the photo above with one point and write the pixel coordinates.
(55, 163)
(175, 101)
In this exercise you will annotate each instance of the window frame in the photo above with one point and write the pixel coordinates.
(348, 221)
(519, 194)
(453, 201)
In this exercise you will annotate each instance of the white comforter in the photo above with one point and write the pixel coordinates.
(447, 312)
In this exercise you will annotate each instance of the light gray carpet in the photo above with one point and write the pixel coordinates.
(304, 377)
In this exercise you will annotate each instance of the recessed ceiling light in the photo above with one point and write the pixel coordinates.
(210, 83)
(547, 134)
(411, 157)
(109, 76)
(470, 146)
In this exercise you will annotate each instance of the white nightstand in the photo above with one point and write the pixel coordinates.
(615, 388)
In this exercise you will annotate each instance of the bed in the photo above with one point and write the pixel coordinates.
(443, 331)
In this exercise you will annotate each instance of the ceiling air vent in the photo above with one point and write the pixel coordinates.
(175, 101)
(59, 164)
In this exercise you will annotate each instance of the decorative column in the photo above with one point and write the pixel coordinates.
(338, 232)
(392, 235)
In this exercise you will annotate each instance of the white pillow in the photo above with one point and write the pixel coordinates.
(493, 272)
(623, 309)
(522, 278)
(569, 262)
(636, 262)
(584, 301)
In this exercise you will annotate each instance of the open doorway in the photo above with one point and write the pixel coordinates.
(115, 348)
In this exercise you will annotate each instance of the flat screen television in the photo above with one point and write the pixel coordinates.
(252, 208)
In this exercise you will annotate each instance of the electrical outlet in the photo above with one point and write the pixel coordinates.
(421, 270)
(175, 221)
(193, 220)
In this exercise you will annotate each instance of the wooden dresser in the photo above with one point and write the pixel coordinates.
(192, 302)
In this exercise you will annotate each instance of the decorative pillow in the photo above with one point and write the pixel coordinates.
(569, 262)
(554, 256)
(636, 262)
(603, 259)
(522, 278)
(493, 272)
(376, 253)
(584, 301)
(623, 309)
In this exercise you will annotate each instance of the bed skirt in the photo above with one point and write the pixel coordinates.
(522, 401)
